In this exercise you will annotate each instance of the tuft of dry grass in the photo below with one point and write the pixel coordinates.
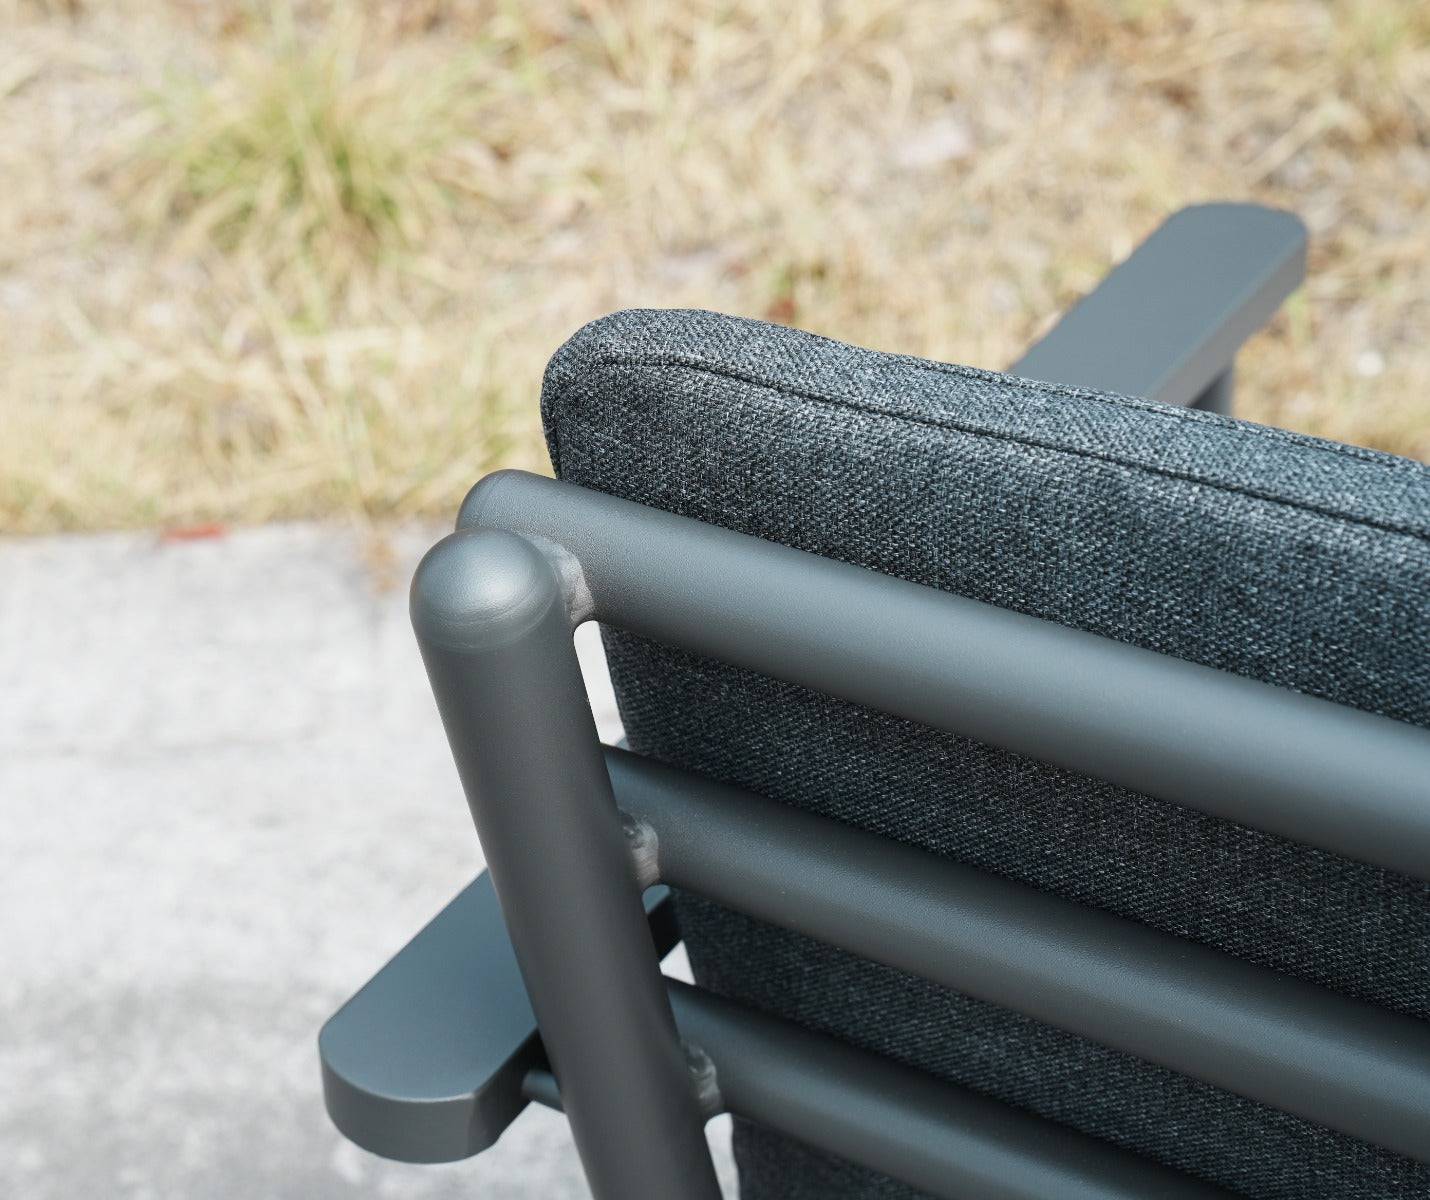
(302, 156)
(310, 258)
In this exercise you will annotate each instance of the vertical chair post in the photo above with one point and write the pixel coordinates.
(492, 622)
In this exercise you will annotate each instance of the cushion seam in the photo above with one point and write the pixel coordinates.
(609, 360)
(1165, 412)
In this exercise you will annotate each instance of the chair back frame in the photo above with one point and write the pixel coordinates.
(494, 606)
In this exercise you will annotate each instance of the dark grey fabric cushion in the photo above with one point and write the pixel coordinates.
(1296, 561)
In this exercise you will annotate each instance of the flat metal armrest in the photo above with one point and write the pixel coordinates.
(426, 1063)
(1166, 324)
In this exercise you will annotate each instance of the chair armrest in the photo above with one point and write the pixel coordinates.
(426, 1063)
(1166, 324)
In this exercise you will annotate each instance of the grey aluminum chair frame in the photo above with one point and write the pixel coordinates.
(440, 1051)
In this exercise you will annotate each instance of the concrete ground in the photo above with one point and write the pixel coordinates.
(224, 802)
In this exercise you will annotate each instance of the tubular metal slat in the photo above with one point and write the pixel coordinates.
(1301, 767)
(1339, 1062)
(439, 1052)
(942, 1139)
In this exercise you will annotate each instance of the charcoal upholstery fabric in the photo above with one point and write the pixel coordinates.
(1285, 558)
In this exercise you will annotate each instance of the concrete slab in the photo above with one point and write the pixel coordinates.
(224, 802)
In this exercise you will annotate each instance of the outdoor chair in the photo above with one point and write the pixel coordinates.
(1038, 773)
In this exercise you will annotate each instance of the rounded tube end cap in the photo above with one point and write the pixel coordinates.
(480, 588)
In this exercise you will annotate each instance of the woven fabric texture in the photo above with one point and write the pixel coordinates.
(1299, 562)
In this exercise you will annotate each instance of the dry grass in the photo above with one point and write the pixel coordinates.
(306, 260)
